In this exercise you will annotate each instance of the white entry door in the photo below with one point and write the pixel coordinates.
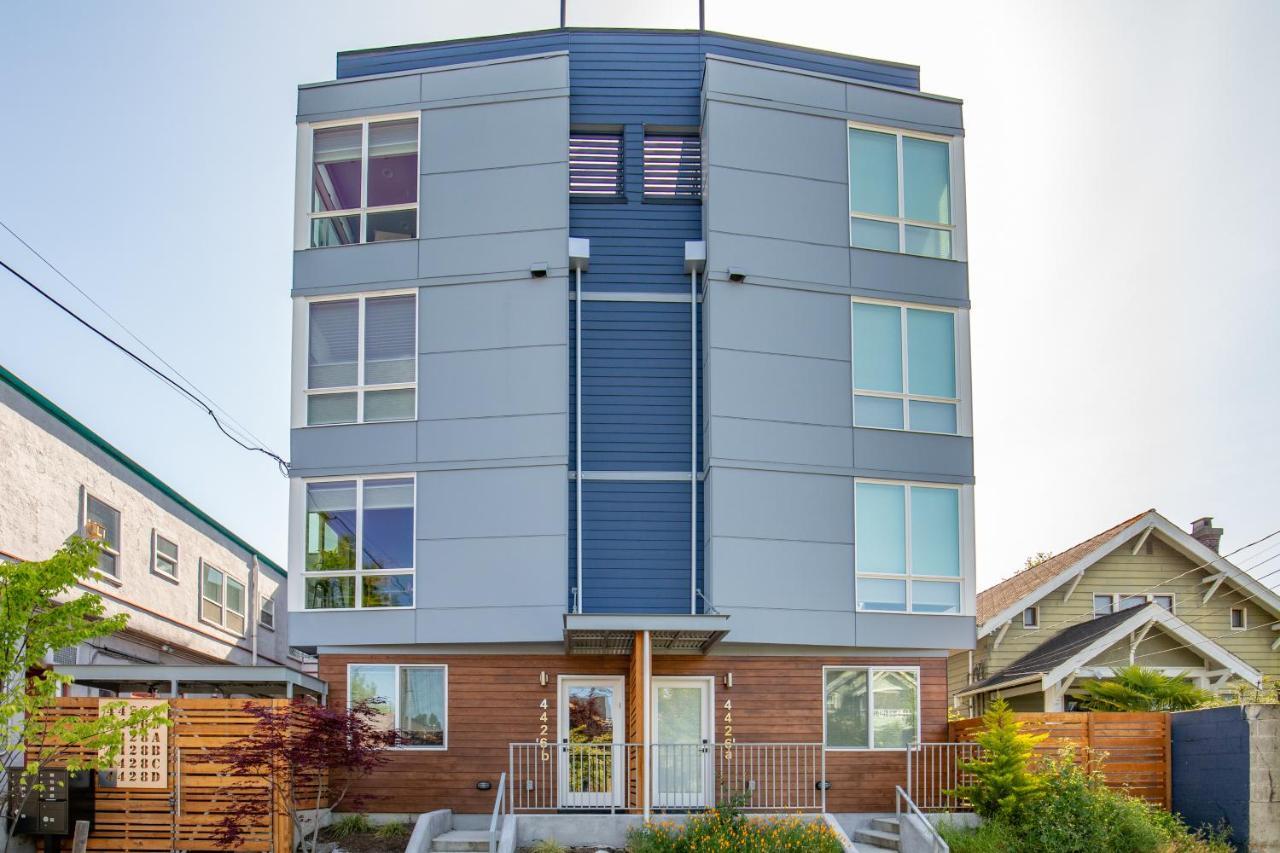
(681, 766)
(592, 748)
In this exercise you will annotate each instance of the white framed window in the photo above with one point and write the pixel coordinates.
(359, 543)
(1031, 618)
(907, 547)
(901, 196)
(164, 555)
(870, 707)
(267, 612)
(362, 360)
(905, 360)
(1138, 599)
(411, 699)
(1103, 603)
(1239, 619)
(101, 523)
(363, 182)
(222, 598)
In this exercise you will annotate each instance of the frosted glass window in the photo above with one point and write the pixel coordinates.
(362, 359)
(931, 352)
(870, 708)
(360, 543)
(926, 180)
(900, 192)
(873, 172)
(918, 393)
(877, 347)
(879, 528)
(935, 531)
(907, 548)
(364, 182)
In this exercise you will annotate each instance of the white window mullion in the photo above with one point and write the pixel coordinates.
(906, 369)
(360, 359)
(871, 708)
(364, 180)
(902, 201)
(906, 493)
(359, 586)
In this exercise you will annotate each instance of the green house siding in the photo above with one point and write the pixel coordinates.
(1123, 572)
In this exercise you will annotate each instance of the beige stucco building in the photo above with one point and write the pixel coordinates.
(1145, 591)
(195, 593)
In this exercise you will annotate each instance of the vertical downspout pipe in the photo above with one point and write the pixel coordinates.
(255, 608)
(693, 441)
(577, 429)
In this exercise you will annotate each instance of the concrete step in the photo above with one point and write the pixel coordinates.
(462, 840)
(878, 838)
(886, 824)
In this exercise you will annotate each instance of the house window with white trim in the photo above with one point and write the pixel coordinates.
(364, 181)
(267, 613)
(362, 363)
(907, 547)
(359, 543)
(1103, 603)
(904, 368)
(413, 700)
(1031, 618)
(222, 598)
(164, 555)
(900, 197)
(102, 525)
(1239, 620)
(870, 707)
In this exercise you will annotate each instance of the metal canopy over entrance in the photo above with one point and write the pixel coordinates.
(615, 633)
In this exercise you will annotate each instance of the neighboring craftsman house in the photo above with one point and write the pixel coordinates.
(195, 592)
(1144, 592)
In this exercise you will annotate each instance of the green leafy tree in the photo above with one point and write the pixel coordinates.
(1002, 780)
(1134, 688)
(32, 621)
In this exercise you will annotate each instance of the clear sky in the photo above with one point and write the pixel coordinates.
(1121, 171)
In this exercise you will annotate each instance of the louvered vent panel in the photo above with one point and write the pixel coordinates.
(595, 165)
(66, 657)
(672, 166)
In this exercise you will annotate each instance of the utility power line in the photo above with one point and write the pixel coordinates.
(164, 377)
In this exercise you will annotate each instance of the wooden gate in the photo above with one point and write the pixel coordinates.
(1130, 748)
(184, 815)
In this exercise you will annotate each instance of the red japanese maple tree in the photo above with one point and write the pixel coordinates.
(297, 747)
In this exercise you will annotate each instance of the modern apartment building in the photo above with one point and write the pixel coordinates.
(195, 593)
(631, 417)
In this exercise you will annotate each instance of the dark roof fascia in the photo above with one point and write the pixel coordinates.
(647, 30)
(61, 415)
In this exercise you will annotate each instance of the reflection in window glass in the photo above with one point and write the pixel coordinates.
(894, 724)
(422, 705)
(926, 180)
(388, 524)
(847, 705)
(336, 174)
(373, 518)
(359, 196)
(376, 685)
(327, 593)
(211, 594)
(885, 716)
(331, 526)
(166, 556)
(235, 605)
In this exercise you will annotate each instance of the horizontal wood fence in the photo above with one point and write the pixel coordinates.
(185, 814)
(1130, 749)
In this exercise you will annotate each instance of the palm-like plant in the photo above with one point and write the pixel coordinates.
(1134, 688)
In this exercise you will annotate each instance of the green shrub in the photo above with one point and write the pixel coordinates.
(349, 825)
(727, 829)
(548, 845)
(1003, 783)
(990, 837)
(392, 831)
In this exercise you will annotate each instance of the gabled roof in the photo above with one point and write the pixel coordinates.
(1000, 603)
(61, 415)
(1071, 648)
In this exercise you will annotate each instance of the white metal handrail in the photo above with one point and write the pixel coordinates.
(773, 777)
(935, 771)
(936, 840)
(497, 812)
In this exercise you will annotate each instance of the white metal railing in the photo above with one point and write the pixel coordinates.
(935, 770)
(680, 777)
(901, 798)
(497, 812)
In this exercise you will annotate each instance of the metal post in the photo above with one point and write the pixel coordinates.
(647, 717)
(693, 442)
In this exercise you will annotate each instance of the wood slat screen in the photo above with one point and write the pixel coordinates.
(595, 165)
(1131, 749)
(185, 815)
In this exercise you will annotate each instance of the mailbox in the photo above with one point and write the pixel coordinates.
(52, 808)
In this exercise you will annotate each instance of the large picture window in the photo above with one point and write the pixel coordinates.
(364, 181)
(907, 547)
(900, 192)
(221, 598)
(870, 707)
(904, 368)
(362, 363)
(359, 543)
(411, 699)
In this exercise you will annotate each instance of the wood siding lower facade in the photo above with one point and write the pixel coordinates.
(494, 700)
